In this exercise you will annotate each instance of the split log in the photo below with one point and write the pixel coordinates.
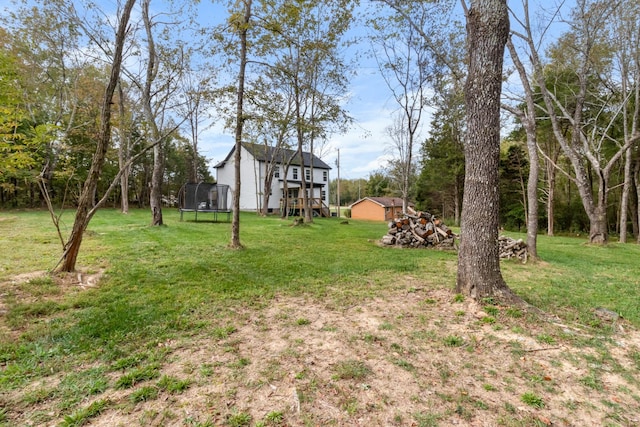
(419, 229)
(511, 248)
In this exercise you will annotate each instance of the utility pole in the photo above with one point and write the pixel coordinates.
(338, 185)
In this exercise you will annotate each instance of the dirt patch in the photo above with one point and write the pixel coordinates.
(38, 286)
(410, 357)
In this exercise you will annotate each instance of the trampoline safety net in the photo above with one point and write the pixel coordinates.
(204, 197)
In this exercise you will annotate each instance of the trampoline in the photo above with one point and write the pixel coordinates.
(204, 197)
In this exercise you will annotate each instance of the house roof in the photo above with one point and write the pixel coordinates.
(264, 153)
(385, 202)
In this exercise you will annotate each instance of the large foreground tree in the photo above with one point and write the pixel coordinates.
(479, 273)
(86, 208)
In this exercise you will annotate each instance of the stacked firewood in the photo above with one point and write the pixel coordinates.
(419, 229)
(511, 248)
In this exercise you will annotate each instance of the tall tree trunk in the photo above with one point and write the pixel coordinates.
(634, 202)
(532, 195)
(155, 196)
(598, 229)
(479, 272)
(285, 190)
(123, 154)
(624, 203)
(303, 183)
(242, 27)
(84, 212)
(636, 181)
(266, 193)
(551, 195)
(456, 196)
(528, 118)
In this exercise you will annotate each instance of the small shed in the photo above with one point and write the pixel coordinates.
(204, 197)
(377, 208)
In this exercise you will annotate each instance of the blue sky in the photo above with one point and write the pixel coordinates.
(365, 148)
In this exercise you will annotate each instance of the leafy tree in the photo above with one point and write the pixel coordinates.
(582, 95)
(405, 65)
(526, 113)
(45, 46)
(20, 144)
(441, 180)
(309, 55)
(351, 190)
(378, 184)
(514, 168)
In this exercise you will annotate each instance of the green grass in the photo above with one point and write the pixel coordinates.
(170, 282)
(532, 400)
(351, 370)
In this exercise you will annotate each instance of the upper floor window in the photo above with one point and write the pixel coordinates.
(307, 174)
(325, 176)
(295, 173)
(276, 172)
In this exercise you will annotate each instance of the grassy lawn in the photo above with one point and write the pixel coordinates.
(72, 350)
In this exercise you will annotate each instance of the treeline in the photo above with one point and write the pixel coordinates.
(573, 119)
(438, 187)
(571, 110)
(21, 190)
(49, 121)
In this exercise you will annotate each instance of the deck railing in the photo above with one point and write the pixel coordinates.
(315, 203)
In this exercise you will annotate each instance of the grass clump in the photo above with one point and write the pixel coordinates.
(532, 400)
(239, 419)
(404, 364)
(351, 370)
(83, 416)
(274, 418)
(592, 381)
(385, 326)
(137, 375)
(453, 341)
(492, 310)
(144, 394)
(173, 385)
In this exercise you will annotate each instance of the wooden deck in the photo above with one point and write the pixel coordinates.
(316, 203)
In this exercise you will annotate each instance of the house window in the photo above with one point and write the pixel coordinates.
(295, 173)
(276, 172)
(325, 176)
(324, 195)
(307, 174)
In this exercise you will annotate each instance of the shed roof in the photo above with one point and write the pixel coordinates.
(385, 202)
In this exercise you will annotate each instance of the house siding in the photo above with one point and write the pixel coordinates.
(252, 175)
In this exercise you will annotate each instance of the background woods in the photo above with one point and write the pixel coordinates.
(569, 157)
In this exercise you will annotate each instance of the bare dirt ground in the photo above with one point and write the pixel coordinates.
(413, 356)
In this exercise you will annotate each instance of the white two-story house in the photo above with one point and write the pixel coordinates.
(255, 160)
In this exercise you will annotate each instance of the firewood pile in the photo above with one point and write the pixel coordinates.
(419, 229)
(510, 248)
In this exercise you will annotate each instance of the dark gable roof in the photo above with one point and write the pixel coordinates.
(265, 153)
(385, 202)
